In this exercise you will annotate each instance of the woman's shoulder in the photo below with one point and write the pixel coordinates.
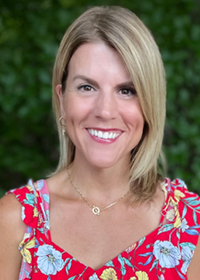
(31, 189)
(10, 218)
(10, 211)
(178, 190)
(13, 204)
(34, 199)
(11, 233)
(187, 202)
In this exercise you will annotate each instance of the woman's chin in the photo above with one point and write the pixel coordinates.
(103, 162)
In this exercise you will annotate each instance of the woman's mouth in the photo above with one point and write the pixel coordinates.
(104, 134)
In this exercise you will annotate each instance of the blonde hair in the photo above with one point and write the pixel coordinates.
(125, 32)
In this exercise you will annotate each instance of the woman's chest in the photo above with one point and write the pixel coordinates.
(156, 256)
(95, 240)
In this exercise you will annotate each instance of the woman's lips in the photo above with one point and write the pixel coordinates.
(104, 134)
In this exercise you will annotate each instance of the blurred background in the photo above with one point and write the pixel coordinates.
(30, 32)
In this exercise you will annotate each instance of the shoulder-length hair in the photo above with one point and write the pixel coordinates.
(122, 30)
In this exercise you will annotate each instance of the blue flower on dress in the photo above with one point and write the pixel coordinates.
(187, 257)
(40, 184)
(167, 254)
(184, 225)
(94, 277)
(49, 260)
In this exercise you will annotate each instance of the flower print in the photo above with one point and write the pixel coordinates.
(23, 213)
(167, 254)
(178, 195)
(129, 249)
(187, 257)
(177, 223)
(39, 220)
(30, 199)
(162, 277)
(142, 275)
(109, 274)
(46, 225)
(170, 215)
(30, 187)
(35, 212)
(49, 260)
(133, 278)
(24, 246)
(94, 277)
(40, 184)
(184, 225)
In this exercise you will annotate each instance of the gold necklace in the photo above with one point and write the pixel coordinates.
(95, 209)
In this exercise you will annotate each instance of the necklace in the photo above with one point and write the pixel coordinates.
(95, 209)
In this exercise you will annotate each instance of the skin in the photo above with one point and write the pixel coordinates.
(11, 234)
(98, 96)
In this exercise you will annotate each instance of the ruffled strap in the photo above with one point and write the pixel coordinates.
(34, 198)
(186, 205)
(187, 220)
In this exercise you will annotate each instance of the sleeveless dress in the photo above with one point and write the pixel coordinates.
(163, 254)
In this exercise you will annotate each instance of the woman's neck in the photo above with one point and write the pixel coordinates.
(103, 184)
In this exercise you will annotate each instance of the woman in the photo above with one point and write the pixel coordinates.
(110, 214)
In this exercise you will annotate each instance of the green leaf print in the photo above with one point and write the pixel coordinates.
(155, 262)
(165, 228)
(188, 244)
(30, 199)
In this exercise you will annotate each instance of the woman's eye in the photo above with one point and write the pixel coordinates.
(128, 91)
(86, 88)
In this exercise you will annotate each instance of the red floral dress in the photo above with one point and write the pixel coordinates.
(163, 254)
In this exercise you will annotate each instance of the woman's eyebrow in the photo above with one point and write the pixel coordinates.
(86, 79)
(93, 82)
(126, 84)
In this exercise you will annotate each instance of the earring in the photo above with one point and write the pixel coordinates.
(62, 124)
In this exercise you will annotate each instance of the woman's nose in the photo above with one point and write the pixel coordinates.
(105, 106)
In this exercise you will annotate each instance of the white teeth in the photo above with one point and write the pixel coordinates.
(104, 135)
(110, 136)
(91, 131)
(100, 134)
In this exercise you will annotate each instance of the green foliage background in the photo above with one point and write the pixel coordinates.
(30, 32)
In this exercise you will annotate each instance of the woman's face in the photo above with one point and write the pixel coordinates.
(101, 108)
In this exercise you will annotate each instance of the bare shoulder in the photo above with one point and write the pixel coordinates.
(10, 212)
(12, 230)
(194, 268)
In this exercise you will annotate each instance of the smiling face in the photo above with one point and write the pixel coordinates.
(101, 108)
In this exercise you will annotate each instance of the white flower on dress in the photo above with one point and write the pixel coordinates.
(184, 225)
(49, 260)
(166, 253)
(170, 215)
(94, 277)
(187, 255)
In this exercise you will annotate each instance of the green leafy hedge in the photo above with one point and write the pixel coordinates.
(30, 34)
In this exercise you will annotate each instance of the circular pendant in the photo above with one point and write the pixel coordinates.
(95, 210)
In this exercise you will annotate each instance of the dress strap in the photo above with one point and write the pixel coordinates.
(34, 198)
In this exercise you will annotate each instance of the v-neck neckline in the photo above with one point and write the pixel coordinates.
(125, 252)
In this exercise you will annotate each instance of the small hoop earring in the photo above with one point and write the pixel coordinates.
(62, 124)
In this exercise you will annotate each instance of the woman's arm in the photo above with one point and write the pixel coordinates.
(194, 268)
(12, 230)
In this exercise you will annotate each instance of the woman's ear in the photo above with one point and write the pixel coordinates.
(61, 99)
